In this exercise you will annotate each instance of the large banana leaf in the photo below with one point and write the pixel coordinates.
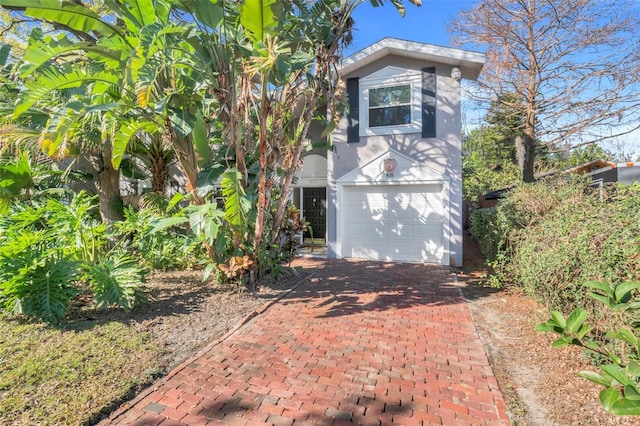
(41, 52)
(137, 13)
(260, 17)
(201, 140)
(237, 206)
(207, 12)
(52, 79)
(15, 175)
(68, 122)
(4, 53)
(149, 63)
(74, 16)
(127, 131)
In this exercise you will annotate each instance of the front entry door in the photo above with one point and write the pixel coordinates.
(314, 208)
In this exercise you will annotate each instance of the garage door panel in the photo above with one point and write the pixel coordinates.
(429, 230)
(397, 250)
(393, 222)
(382, 230)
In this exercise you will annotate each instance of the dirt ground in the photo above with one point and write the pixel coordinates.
(538, 382)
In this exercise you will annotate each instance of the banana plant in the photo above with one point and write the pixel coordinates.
(264, 66)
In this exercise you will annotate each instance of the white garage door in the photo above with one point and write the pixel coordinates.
(393, 222)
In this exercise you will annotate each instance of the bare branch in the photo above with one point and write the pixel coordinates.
(574, 65)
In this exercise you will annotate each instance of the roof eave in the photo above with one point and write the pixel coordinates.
(470, 63)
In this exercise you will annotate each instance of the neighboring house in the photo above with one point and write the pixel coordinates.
(392, 187)
(600, 171)
(626, 173)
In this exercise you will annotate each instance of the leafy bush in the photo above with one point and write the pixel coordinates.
(620, 346)
(582, 239)
(171, 249)
(36, 279)
(116, 281)
(550, 237)
(43, 247)
(478, 177)
(484, 228)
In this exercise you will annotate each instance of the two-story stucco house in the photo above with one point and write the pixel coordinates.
(392, 187)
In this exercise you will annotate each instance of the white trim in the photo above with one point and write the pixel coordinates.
(409, 171)
(387, 77)
(310, 182)
(470, 63)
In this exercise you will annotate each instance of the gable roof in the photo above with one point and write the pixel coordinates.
(470, 63)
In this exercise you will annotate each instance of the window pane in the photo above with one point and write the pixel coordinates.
(387, 96)
(389, 116)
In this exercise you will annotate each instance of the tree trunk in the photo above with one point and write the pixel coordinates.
(525, 154)
(107, 183)
(529, 157)
(159, 175)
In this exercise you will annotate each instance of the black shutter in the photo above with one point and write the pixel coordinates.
(429, 102)
(353, 116)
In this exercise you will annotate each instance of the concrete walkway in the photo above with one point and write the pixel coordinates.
(359, 342)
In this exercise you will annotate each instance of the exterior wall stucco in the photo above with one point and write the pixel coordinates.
(441, 154)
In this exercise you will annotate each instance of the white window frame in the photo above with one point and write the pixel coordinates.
(409, 103)
(389, 77)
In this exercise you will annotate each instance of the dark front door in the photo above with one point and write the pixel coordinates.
(314, 208)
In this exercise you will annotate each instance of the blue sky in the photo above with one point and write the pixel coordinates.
(427, 23)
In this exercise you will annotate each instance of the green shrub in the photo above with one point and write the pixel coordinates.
(36, 279)
(44, 250)
(483, 229)
(550, 237)
(583, 239)
(171, 249)
(116, 281)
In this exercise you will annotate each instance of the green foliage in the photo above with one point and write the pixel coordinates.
(488, 162)
(620, 378)
(576, 157)
(36, 278)
(21, 177)
(485, 229)
(15, 176)
(237, 204)
(549, 237)
(116, 281)
(523, 208)
(615, 298)
(480, 177)
(582, 239)
(76, 226)
(171, 249)
(43, 246)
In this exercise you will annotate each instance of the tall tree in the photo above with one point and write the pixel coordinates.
(572, 66)
(252, 74)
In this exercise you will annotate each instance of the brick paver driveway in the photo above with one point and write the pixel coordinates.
(358, 342)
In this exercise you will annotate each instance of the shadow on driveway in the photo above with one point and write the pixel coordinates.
(359, 342)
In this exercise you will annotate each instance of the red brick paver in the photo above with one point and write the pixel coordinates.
(359, 342)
